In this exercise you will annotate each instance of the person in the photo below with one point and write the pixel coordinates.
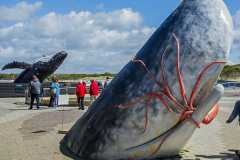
(237, 152)
(57, 93)
(106, 82)
(85, 86)
(35, 91)
(53, 92)
(235, 113)
(80, 93)
(94, 89)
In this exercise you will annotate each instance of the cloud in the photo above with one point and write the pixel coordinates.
(21, 11)
(96, 42)
(235, 52)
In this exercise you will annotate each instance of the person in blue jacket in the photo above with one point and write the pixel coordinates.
(57, 93)
(54, 89)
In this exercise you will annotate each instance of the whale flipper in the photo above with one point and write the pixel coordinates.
(15, 64)
(25, 76)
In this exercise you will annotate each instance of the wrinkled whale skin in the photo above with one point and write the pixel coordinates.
(108, 132)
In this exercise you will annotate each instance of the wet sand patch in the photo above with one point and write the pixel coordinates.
(45, 122)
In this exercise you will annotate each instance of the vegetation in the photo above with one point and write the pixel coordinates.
(229, 72)
(64, 76)
(81, 76)
(8, 76)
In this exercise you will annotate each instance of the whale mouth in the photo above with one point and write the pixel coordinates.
(58, 59)
(60, 56)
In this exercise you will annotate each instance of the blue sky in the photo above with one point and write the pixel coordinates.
(153, 11)
(40, 28)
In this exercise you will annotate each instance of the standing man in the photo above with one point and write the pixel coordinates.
(94, 89)
(80, 93)
(35, 91)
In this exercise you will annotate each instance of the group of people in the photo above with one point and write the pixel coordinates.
(93, 91)
(35, 89)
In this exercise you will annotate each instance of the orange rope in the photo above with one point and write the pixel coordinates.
(187, 109)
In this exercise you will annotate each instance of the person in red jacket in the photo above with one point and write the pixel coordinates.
(80, 93)
(94, 89)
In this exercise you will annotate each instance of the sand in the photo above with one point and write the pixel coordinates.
(33, 135)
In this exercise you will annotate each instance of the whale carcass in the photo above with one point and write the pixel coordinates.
(154, 104)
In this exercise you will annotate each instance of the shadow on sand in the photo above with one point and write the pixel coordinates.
(39, 131)
(26, 108)
(64, 150)
(231, 155)
(18, 109)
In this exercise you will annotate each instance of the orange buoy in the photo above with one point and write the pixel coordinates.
(211, 115)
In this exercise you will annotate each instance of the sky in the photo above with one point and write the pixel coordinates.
(99, 35)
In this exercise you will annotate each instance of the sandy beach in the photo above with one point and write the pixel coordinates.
(33, 135)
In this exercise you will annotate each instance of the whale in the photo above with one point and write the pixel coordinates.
(42, 68)
(160, 97)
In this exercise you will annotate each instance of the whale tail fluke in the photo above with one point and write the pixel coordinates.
(18, 65)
